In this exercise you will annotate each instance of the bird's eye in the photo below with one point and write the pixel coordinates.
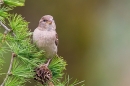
(44, 20)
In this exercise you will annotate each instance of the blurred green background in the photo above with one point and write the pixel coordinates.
(94, 37)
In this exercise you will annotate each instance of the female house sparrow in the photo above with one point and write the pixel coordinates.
(45, 36)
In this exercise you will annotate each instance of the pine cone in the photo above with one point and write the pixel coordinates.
(43, 73)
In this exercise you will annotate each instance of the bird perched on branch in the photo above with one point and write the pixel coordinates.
(45, 36)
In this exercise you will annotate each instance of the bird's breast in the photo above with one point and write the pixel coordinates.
(44, 38)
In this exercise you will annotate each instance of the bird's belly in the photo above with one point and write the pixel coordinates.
(45, 40)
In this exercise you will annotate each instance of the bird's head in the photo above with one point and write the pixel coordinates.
(47, 23)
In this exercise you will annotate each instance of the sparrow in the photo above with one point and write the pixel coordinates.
(45, 36)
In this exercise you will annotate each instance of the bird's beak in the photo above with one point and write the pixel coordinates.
(50, 21)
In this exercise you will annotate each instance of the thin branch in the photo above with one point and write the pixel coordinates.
(5, 27)
(48, 62)
(1, 2)
(9, 70)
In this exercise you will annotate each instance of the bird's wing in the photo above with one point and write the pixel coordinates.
(56, 40)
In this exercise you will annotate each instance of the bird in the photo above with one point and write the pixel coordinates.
(45, 36)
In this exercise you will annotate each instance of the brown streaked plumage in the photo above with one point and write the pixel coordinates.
(45, 36)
